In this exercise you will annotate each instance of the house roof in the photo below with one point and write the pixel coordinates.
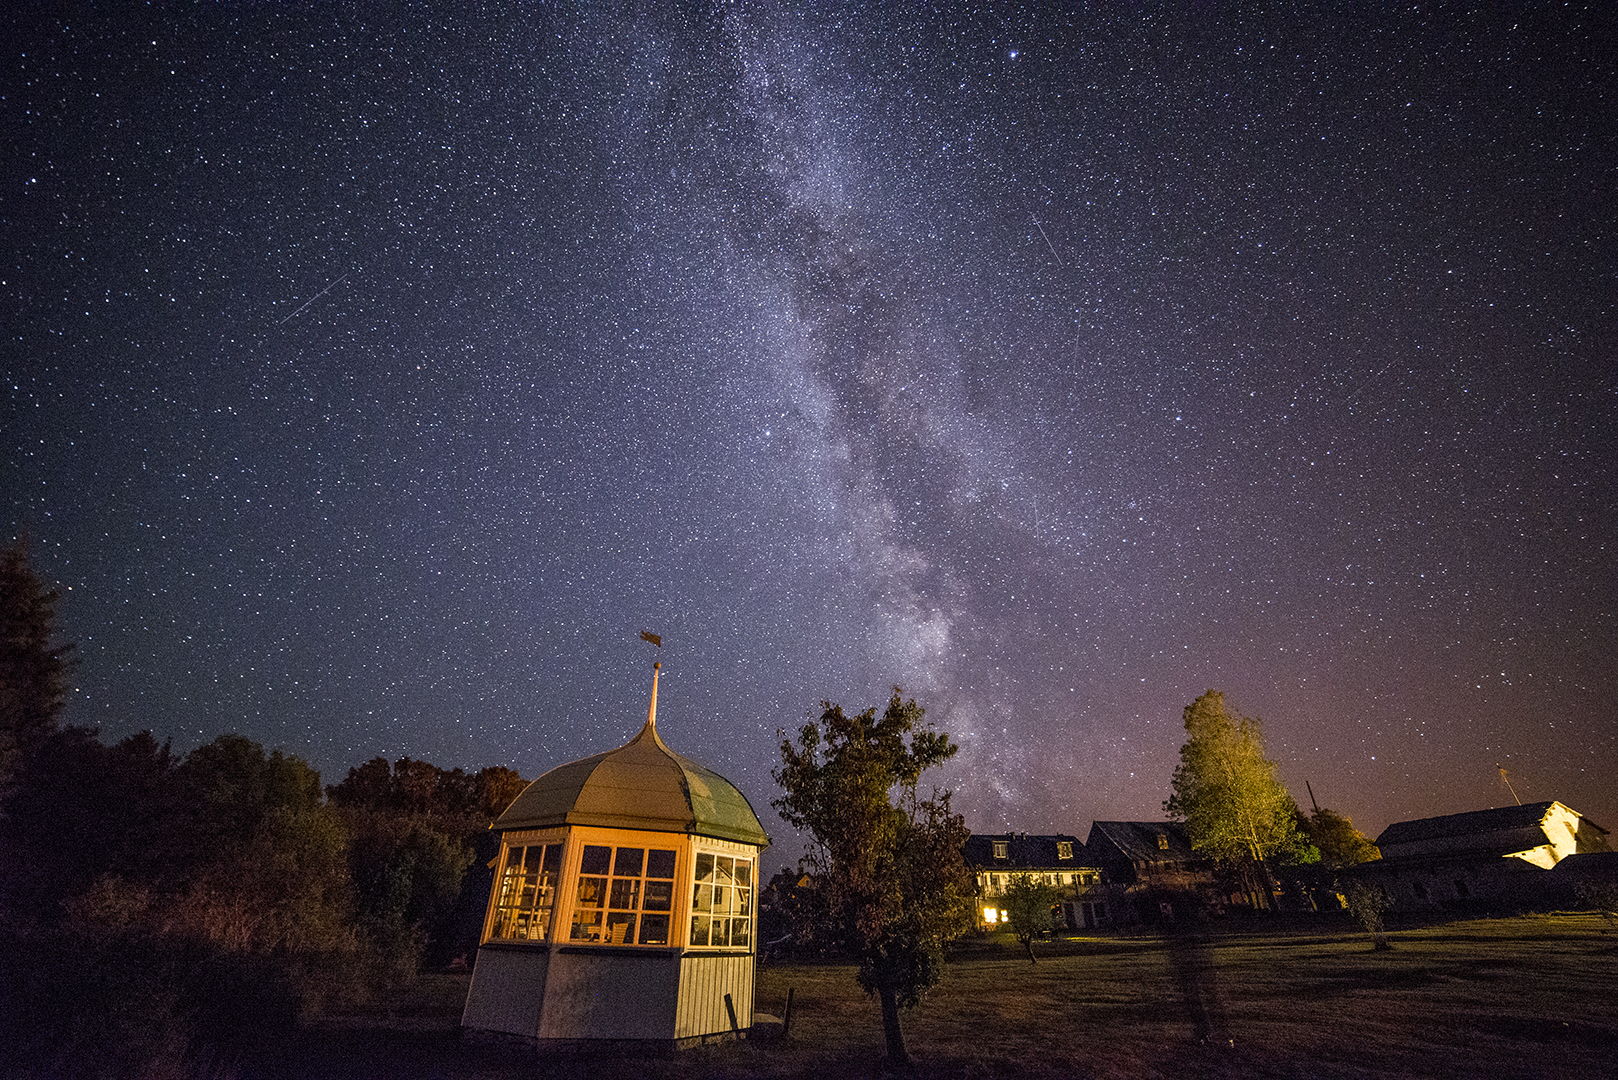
(1503, 830)
(1025, 852)
(1472, 823)
(1139, 841)
(641, 785)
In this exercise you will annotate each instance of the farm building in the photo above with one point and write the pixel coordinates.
(1150, 867)
(1482, 859)
(623, 903)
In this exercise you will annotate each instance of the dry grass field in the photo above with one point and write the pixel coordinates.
(1535, 996)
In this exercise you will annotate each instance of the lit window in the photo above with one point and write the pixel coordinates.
(1163, 841)
(991, 915)
(722, 904)
(1064, 849)
(527, 893)
(626, 896)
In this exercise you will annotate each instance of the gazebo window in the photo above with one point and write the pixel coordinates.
(626, 896)
(527, 893)
(722, 906)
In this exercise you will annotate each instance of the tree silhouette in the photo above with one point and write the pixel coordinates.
(891, 873)
(1028, 901)
(33, 668)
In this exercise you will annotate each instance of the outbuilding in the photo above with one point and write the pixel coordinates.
(623, 907)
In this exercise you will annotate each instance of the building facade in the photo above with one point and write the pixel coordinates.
(623, 906)
(1057, 860)
(1496, 859)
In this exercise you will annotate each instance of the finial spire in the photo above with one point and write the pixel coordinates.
(657, 667)
(651, 710)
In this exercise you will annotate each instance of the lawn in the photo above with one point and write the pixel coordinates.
(1535, 996)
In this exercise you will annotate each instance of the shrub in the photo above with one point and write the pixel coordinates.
(1367, 903)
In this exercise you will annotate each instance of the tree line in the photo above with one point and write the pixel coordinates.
(153, 905)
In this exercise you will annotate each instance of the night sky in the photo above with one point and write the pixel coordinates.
(373, 378)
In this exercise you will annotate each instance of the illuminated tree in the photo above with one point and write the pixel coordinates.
(1228, 794)
(888, 864)
(1339, 842)
(1028, 901)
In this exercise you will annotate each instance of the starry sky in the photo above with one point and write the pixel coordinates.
(372, 377)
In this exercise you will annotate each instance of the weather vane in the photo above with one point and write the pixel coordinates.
(647, 635)
(1507, 780)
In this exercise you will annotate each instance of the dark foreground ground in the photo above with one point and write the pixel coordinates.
(1535, 996)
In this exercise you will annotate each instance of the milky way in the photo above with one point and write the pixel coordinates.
(371, 384)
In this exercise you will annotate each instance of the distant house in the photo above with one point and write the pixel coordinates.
(1483, 858)
(1058, 860)
(1142, 852)
(1153, 861)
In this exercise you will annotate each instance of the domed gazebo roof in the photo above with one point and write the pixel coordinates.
(641, 785)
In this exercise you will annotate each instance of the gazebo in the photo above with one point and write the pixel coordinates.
(623, 906)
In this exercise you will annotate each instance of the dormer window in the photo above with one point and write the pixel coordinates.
(1064, 849)
(1162, 841)
(1002, 849)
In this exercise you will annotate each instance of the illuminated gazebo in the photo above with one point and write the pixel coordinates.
(623, 903)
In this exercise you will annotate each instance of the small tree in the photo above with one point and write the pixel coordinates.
(1228, 794)
(1028, 901)
(1367, 903)
(888, 864)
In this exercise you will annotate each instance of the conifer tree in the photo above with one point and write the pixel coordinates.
(33, 669)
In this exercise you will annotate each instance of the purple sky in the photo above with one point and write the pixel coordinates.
(371, 382)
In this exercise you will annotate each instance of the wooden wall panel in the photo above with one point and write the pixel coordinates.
(704, 982)
(508, 989)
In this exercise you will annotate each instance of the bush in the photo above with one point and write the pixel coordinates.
(1367, 904)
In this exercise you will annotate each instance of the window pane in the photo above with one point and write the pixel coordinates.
(527, 892)
(586, 926)
(620, 929)
(721, 932)
(723, 870)
(704, 868)
(744, 872)
(596, 859)
(627, 864)
(654, 929)
(744, 901)
(660, 864)
(699, 929)
(625, 894)
(659, 896)
(592, 891)
(739, 931)
(702, 899)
